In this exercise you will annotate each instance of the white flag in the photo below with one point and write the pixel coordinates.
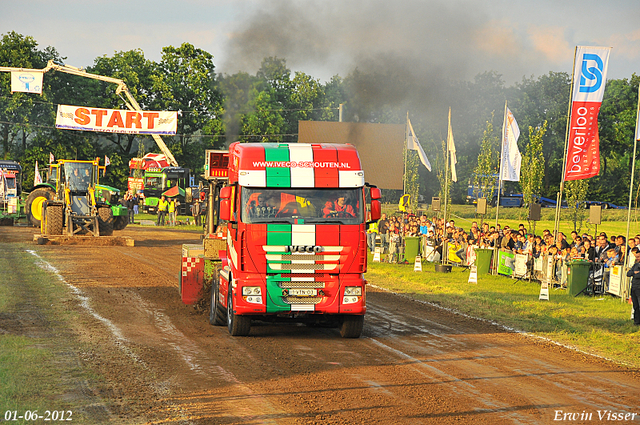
(510, 161)
(51, 158)
(37, 179)
(452, 151)
(27, 80)
(106, 161)
(414, 144)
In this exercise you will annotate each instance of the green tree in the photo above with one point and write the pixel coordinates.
(616, 121)
(485, 173)
(541, 99)
(187, 83)
(20, 111)
(138, 73)
(576, 191)
(412, 178)
(264, 121)
(532, 165)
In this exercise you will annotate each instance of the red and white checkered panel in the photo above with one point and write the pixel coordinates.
(189, 263)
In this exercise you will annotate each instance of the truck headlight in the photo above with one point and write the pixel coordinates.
(252, 294)
(251, 290)
(353, 290)
(352, 294)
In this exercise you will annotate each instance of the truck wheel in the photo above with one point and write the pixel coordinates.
(238, 325)
(105, 221)
(120, 222)
(53, 219)
(216, 315)
(34, 203)
(351, 326)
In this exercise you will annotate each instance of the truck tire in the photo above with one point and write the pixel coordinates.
(351, 326)
(216, 314)
(120, 222)
(238, 325)
(53, 219)
(105, 221)
(34, 203)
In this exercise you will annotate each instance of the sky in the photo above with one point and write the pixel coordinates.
(455, 39)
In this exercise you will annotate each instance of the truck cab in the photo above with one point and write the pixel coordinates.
(296, 240)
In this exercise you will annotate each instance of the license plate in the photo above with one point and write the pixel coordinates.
(303, 292)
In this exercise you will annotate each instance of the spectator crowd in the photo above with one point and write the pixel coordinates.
(390, 232)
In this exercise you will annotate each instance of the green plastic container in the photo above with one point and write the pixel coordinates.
(483, 260)
(411, 248)
(577, 275)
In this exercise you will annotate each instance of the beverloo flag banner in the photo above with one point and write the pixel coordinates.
(452, 151)
(511, 158)
(414, 144)
(27, 81)
(116, 121)
(589, 78)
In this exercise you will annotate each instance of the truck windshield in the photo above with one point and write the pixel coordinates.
(342, 206)
(154, 182)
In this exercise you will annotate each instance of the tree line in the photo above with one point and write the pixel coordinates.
(216, 109)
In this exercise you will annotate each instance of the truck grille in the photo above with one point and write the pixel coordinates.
(302, 300)
(293, 284)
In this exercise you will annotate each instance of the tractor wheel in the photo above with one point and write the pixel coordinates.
(238, 325)
(105, 221)
(351, 326)
(216, 314)
(34, 203)
(120, 222)
(53, 219)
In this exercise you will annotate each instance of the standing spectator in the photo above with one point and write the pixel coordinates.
(394, 244)
(135, 201)
(383, 231)
(195, 211)
(163, 206)
(172, 212)
(601, 248)
(130, 207)
(634, 274)
(372, 233)
(589, 251)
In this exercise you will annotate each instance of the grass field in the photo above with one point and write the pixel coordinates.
(598, 325)
(37, 371)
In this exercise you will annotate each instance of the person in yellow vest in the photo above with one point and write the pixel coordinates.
(372, 233)
(163, 205)
(172, 212)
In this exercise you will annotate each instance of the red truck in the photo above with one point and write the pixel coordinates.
(295, 232)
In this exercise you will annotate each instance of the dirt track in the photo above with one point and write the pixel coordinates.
(163, 363)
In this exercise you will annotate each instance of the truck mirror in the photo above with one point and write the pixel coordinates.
(375, 193)
(225, 192)
(376, 209)
(225, 209)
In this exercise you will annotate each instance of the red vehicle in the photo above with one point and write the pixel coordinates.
(137, 167)
(295, 237)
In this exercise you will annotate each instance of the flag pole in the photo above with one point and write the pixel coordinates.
(556, 225)
(406, 140)
(504, 124)
(625, 289)
(445, 246)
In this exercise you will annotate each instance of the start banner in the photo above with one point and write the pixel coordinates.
(116, 121)
(589, 78)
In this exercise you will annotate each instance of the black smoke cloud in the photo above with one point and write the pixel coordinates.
(430, 39)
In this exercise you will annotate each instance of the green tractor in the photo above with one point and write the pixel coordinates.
(67, 202)
(111, 196)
